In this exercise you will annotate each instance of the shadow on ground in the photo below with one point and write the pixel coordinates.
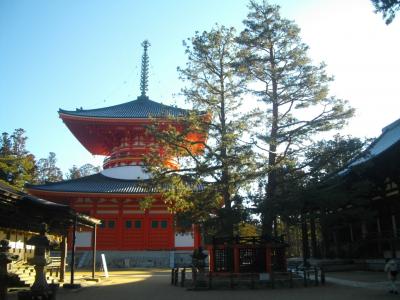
(149, 285)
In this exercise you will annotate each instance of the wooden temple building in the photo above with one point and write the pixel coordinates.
(361, 219)
(22, 217)
(131, 236)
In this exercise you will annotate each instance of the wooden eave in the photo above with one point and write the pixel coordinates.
(88, 194)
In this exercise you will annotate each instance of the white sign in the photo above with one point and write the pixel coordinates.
(184, 239)
(264, 277)
(83, 239)
(103, 260)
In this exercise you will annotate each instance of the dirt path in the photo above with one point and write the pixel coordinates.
(156, 285)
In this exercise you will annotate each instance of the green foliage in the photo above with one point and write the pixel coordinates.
(328, 156)
(17, 165)
(249, 229)
(295, 94)
(300, 188)
(83, 171)
(47, 171)
(388, 8)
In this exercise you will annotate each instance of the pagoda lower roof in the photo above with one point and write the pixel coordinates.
(96, 183)
(141, 108)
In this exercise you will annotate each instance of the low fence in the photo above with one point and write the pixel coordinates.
(190, 277)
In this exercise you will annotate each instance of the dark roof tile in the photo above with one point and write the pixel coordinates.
(97, 183)
(142, 107)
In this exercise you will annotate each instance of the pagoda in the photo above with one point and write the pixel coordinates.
(119, 133)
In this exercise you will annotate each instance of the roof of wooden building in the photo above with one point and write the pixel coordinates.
(388, 140)
(97, 183)
(22, 211)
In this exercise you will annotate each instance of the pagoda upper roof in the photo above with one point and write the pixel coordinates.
(141, 108)
(96, 183)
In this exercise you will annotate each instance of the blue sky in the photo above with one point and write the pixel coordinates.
(68, 54)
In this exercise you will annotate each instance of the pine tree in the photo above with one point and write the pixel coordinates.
(214, 88)
(17, 165)
(294, 92)
(47, 171)
(82, 171)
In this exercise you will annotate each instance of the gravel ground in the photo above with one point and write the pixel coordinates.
(156, 285)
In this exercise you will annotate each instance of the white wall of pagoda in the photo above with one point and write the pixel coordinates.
(127, 173)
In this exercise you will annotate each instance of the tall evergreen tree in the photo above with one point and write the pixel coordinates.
(85, 170)
(47, 170)
(17, 165)
(294, 91)
(227, 164)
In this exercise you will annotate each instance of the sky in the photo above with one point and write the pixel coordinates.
(68, 54)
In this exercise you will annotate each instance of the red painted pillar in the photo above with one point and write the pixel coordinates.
(196, 236)
(171, 231)
(146, 227)
(236, 257)
(268, 254)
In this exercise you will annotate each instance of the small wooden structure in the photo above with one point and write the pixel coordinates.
(247, 255)
(21, 216)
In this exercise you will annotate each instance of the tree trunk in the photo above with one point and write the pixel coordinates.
(314, 248)
(304, 235)
(269, 213)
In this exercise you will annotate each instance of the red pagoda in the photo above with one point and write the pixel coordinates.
(129, 235)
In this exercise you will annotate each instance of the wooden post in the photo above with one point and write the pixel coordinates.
(313, 237)
(94, 245)
(335, 241)
(183, 277)
(351, 233)
(211, 258)
(351, 243)
(322, 276)
(378, 227)
(63, 257)
(364, 230)
(236, 259)
(176, 276)
(305, 247)
(268, 266)
(73, 251)
(394, 226)
(316, 275)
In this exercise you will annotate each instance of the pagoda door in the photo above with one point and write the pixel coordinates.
(160, 232)
(108, 237)
(133, 233)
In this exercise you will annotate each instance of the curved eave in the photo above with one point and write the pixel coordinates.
(79, 126)
(86, 194)
(70, 117)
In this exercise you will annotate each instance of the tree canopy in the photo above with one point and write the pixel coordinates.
(17, 165)
(294, 91)
(388, 9)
